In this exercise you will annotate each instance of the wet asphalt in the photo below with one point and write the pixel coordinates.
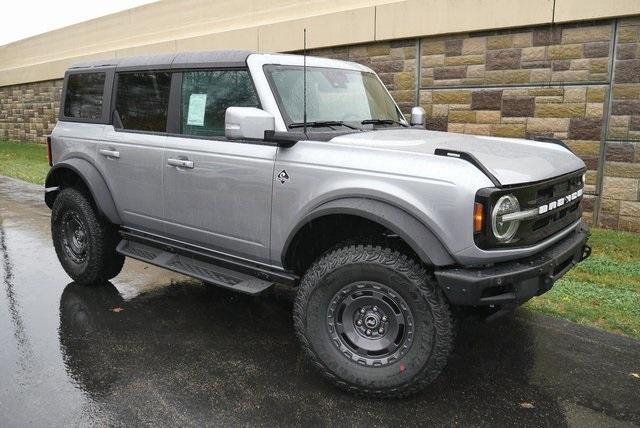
(156, 348)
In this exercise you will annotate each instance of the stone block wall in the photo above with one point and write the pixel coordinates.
(546, 55)
(620, 201)
(29, 112)
(578, 82)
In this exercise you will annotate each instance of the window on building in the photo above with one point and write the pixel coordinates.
(84, 96)
(142, 100)
(206, 95)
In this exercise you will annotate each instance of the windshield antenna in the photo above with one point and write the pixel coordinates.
(304, 80)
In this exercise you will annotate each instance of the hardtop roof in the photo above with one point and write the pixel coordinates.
(211, 59)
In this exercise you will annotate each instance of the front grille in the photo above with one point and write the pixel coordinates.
(532, 231)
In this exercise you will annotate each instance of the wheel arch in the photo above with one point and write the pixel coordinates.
(418, 237)
(72, 171)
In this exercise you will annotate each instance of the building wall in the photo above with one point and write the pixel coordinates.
(577, 81)
(28, 112)
(276, 25)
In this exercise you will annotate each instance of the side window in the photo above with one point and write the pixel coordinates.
(206, 96)
(142, 100)
(84, 96)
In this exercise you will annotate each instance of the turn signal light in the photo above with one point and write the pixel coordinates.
(478, 217)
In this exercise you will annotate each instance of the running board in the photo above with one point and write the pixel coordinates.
(200, 269)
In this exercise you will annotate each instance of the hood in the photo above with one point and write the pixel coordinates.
(510, 160)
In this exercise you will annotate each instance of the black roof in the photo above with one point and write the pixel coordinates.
(212, 59)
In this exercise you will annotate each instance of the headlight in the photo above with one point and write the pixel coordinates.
(505, 230)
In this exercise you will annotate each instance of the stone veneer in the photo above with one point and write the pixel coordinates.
(29, 111)
(548, 81)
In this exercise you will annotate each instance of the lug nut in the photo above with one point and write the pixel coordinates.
(362, 311)
(359, 322)
(381, 330)
(368, 332)
(375, 309)
(384, 318)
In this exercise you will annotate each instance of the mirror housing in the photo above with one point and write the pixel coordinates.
(418, 116)
(247, 123)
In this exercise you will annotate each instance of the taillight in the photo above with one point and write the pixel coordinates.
(478, 217)
(49, 156)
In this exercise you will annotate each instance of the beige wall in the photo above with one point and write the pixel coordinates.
(276, 25)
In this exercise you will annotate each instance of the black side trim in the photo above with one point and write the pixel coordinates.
(284, 139)
(471, 159)
(91, 177)
(212, 257)
(416, 234)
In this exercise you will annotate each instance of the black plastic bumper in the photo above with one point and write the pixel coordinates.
(513, 283)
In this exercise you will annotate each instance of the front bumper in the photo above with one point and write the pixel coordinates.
(515, 282)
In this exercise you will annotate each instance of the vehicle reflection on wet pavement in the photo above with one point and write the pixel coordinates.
(153, 347)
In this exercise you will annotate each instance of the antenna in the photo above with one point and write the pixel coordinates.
(304, 81)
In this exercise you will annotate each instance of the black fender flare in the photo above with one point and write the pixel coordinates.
(415, 233)
(92, 179)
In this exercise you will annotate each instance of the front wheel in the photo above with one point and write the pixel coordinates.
(85, 242)
(373, 321)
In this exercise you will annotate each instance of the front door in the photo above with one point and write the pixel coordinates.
(217, 193)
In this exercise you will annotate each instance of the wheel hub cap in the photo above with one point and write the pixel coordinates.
(370, 323)
(74, 237)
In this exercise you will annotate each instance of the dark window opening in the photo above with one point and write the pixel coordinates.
(142, 100)
(85, 92)
(206, 95)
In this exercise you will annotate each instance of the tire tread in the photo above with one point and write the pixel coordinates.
(417, 274)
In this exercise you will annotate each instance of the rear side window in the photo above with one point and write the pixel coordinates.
(85, 93)
(206, 95)
(142, 100)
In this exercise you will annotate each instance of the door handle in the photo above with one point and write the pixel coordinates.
(182, 163)
(109, 153)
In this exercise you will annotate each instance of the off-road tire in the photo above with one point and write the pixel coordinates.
(433, 334)
(99, 261)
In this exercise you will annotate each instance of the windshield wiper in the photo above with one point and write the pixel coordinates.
(383, 122)
(321, 124)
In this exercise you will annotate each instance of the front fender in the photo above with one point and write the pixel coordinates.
(91, 178)
(418, 236)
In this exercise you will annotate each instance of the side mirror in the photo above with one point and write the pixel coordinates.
(247, 123)
(418, 116)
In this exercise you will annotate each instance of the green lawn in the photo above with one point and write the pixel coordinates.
(603, 291)
(26, 161)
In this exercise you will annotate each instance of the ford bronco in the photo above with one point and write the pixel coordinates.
(248, 170)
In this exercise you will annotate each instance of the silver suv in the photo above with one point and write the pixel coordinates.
(246, 170)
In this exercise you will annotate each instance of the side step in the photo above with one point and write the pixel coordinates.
(192, 267)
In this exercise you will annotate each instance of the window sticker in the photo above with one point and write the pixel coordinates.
(197, 104)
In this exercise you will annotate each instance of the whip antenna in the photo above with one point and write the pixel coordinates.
(304, 80)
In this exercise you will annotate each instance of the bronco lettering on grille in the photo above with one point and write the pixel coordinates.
(560, 202)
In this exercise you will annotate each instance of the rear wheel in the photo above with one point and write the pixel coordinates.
(85, 242)
(373, 321)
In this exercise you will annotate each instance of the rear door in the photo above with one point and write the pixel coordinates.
(217, 192)
(131, 154)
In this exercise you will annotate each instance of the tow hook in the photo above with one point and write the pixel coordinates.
(586, 252)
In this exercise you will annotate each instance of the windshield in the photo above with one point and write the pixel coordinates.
(333, 95)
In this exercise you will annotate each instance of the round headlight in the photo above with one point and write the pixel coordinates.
(505, 230)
